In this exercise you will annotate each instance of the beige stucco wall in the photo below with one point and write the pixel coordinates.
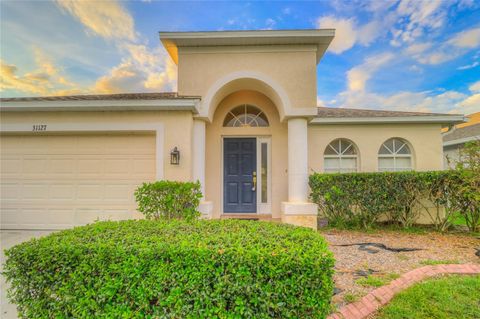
(424, 139)
(293, 68)
(215, 132)
(177, 130)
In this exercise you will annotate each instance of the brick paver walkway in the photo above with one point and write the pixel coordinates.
(379, 297)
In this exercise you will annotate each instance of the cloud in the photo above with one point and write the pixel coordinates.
(416, 17)
(320, 102)
(345, 34)
(270, 24)
(469, 66)
(107, 19)
(475, 87)
(348, 33)
(415, 68)
(47, 78)
(470, 105)
(357, 95)
(358, 76)
(142, 69)
(407, 21)
(466, 39)
(418, 48)
(424, 101)
(436, 53)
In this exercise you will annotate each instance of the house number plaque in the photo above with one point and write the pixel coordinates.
(39, 127)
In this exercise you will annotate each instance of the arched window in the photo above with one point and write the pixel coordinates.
(340, 156)
(245, 116)
(394, 155)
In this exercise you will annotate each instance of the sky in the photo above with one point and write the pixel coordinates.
(406, 55)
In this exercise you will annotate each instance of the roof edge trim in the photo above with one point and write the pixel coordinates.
(461, 140)
(170, 40)
(102, 105)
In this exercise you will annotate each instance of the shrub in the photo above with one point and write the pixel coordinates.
(169, 200)
(362, 199)
(467, 192)
(439, 189)
(173, 269)
(366, 197)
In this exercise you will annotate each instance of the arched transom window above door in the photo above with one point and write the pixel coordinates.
(245, 115)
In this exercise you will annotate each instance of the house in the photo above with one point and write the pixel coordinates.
(244, 123)
(454, 139)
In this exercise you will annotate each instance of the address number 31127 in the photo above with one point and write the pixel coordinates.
(39, 127)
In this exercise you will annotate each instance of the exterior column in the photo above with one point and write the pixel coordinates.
(198, 165)
(199, 153)
(297, 160)
(298, 211)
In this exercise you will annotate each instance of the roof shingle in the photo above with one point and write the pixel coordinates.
(96, 97)
(330, 112)
(463, 132)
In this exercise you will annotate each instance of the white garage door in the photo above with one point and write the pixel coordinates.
(59, 181)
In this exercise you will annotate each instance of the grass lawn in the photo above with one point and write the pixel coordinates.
(376, 280)
(440, 298)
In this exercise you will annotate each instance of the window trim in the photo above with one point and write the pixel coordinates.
(355, 156)
(396, 156)
(259, 113)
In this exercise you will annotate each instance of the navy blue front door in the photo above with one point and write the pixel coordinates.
(239, 167)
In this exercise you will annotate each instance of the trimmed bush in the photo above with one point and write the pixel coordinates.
(169, 200)
(173, 269)
(362, 199)
(467, 192)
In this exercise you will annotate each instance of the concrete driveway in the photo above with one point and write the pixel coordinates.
(8, 239)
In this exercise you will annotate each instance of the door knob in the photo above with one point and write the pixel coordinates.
(254, 181)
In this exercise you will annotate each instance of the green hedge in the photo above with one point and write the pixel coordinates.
(169, 200)
(173, 269)
(362, 199)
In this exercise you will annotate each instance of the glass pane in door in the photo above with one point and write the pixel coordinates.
(264, 172)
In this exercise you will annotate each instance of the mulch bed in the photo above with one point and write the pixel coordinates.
(358, 254)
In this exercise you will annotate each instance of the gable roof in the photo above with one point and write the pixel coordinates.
(462, 135)
(329, 115)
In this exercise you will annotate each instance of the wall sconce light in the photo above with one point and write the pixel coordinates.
(175, 156)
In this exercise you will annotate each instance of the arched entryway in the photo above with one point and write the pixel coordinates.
(246, 167)
(286, 139)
